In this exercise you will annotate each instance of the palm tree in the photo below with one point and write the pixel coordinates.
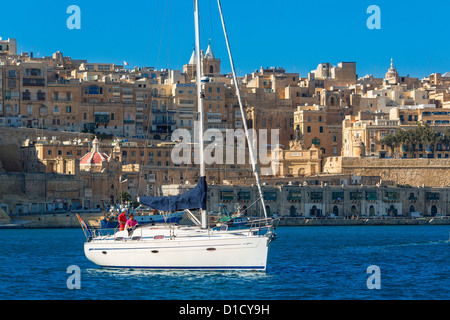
(445, 138)
(429, 137)
(422, 134)
(403, 137)
(391, 141)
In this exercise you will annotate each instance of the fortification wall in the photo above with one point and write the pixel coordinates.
(415, 172)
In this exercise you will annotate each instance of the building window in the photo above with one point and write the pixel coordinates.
(68, 109)
(308, 129)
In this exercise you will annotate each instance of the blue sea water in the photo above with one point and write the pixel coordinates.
(305, 263)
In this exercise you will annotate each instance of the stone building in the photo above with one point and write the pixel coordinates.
(296, 161)
(368, 129)
(8, 47)
(328, 201)
(319, 126)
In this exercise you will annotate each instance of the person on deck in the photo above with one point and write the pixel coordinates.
(122, 219)
(131, 224)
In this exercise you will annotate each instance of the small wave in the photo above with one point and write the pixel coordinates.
(427, 243)
(185, 275)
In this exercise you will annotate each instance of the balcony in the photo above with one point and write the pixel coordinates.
(164, 122)
(337, 197)
(163, 111)
(315, 196)
(371, 196)
(294, 196)
(33, 82)
(244, 196)
(355, 195)
(390, 196)
(270, 195)
(431, 196)
(227, 195)
(162, 129)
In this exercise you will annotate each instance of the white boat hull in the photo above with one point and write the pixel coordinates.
(222, 251)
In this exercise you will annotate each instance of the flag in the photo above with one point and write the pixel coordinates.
(83, 225)
(125, 63)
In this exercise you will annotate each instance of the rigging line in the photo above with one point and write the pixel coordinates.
(250, 143)
(151, 33)
(147, 132)
(211, 22)
(251, 205)
(162, 32)
(183, 42)
(170, 25)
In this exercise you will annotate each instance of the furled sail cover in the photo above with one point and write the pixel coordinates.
(194, 199)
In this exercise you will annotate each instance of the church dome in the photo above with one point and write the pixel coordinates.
(94, 157)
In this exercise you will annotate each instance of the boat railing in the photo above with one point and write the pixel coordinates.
(104, 232)
(135, 234)
(264, 223)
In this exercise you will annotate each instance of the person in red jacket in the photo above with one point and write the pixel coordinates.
(122, 219)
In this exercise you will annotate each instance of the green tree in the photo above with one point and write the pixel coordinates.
(391, 141)
(422, 134)
(124, 197)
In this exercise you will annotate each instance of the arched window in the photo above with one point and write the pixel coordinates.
(211, 69)
(434, 210)
(332, 101)
(392, 211)
(293, 211)
(335, 210)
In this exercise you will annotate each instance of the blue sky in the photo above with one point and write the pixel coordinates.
(293, 34)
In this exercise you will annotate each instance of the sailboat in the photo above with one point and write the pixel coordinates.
(196, 247)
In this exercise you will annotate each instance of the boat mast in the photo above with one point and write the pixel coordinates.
(250, 144)
(200, 102)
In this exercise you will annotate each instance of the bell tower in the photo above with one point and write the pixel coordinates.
(210, 65)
